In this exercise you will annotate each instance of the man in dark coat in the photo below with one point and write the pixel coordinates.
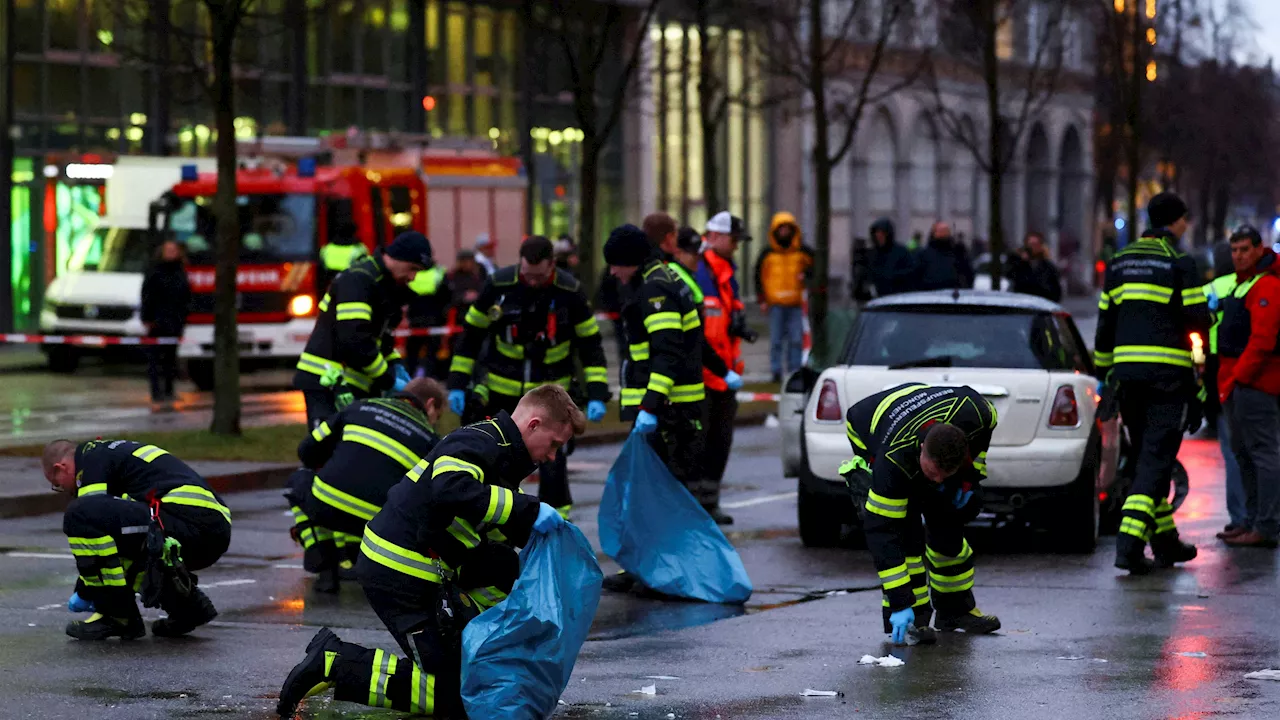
(944, 263)
(1033, 271)
(893, 270)
(166, 300)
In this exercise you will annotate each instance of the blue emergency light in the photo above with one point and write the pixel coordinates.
(190, 173)
(307, 167)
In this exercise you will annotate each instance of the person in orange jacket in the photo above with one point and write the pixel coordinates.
(725, 327)
(782, 273)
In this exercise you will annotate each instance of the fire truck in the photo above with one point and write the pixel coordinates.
(286, 213)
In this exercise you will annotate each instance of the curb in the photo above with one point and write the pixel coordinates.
(274, 477)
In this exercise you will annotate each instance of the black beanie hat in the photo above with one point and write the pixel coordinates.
(411, 246)
(627, 246)
(1165, 209)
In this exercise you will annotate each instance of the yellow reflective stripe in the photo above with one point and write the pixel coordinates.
(380, 442)
(401, 559)
(504, 386)
(448, 463)
(515, 352)
(392, 356)
(375, 368)
(1134, 527)
(376, 675)
(313, 364)
(895, 577)
(1102, 359)
(1141, 504)
(321, 432)
(596, 374)
(347, 503)
(112, 576)
(660, 383)
(1143, 291)
(82, 546)
(94, 489)
(324, 302)
(354, 311)
(938, 560)
(1194, 296)
(690, 321)
(639, 351)
(662, 321)
(854, 438)
(486, 597)
(147, 453)
(558, 353)
(501, 500)
(464, 533)
(687, 393)
(476, 319)
(632, 396)
(587, 328)
(888, 402)
(415, 473)
(196, 496)
(915, 565)
(952, 583)
(423, 695)
(356, 379)
(1153, 354)
(893, 508)
(1104, 301)
(464, 365)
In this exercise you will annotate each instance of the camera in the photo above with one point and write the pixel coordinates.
(738, 327)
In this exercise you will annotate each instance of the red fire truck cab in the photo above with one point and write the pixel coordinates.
(286, 215)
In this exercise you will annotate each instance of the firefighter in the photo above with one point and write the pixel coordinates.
(1150, 304)
(340, 253)
(662, 388)
(535, 317)
(121, 487)
(428, 307)
(438, 553)
(724, 324)
(351, 350)
(349, 464)
(920, 452)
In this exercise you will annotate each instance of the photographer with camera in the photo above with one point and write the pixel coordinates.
(726, 328)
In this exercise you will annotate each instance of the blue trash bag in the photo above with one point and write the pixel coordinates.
(654, 529)
(517, 656)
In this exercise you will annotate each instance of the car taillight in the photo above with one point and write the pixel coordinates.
(1065, 412)
(829, 402)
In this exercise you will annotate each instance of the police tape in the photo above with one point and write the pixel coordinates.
(89, 340)
(757, 397)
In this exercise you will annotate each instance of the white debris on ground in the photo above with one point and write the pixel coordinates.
(771, 422)
(886, 661)
(1192, 654)
(808, 692)
(1268, 674)
(661, 677)
(646, 690)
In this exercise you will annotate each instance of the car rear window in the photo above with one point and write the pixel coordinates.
(973, 337)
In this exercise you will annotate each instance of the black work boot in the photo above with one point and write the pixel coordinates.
(973, 622)
(1172, 551)
(311, 676)
(1131, 555)
(720, 516)
(195, 611)
(101, 627)
(622, 582)
(328, 581)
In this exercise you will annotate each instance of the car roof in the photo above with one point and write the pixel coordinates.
(980, 298)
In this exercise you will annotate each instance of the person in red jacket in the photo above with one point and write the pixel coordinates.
(1249, 384)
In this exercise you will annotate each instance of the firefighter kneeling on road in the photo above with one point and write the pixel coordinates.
(439, 553)
(350, 463)
(351, 351)
(142, 521)
(921, 452)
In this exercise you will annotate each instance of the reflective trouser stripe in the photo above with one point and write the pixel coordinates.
(342, 539)
(384, 666)
(894, 577)
(97, 561)
(423, 696)
(938, 560)
(894, 508)
(486, 597)
(306, 534)
(1164, 518)
(951, 583)
(196, 496)
(461, 364)
(402, 559)
(104, 545)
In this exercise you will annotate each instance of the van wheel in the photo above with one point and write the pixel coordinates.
(62, 359)
(201, 373)
(1076, 518)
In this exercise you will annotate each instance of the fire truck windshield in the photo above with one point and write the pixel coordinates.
(273, 228)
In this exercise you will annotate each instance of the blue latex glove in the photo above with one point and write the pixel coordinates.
(1213, 299)
(1102, 385)
(548, 519)
(646, 422)
(77, 604)
(402, 378)
(900, 620)
(595, 411)
(457, 401)
(733, 380)
(962, 498)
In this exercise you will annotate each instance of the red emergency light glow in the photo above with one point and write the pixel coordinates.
(428, 103)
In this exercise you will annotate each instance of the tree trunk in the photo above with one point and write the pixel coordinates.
(226, 344)
(708, 104)
(822, 187)
(1137, 76)
(588, 192)
(995, 144)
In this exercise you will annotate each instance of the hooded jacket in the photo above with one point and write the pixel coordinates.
(944, 265)
(893, 269)
(782, 271)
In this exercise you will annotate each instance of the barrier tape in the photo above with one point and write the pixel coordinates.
(91, 340)
(757, 397)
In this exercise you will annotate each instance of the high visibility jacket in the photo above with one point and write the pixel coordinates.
(532, 333)
(885, 431)
(1150, 305)
(364, 450)
(664, 336)
(1249, 336)
(462, 495)
(781, 271)
(718, 312)
(1220, 288)
(711, 361)
(337, 257)
(352, 336)
(131, 470)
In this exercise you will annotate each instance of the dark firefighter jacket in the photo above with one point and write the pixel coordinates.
(533, 333)
(665, 344)
(460, 496)
(364, 450)
(352, 335)
(133, 471)
(711, 360)
(886, 430)
(1151, 302)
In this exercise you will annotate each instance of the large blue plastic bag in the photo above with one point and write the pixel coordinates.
(654, 529)
(518, 655)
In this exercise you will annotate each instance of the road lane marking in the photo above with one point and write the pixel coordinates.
(44, 556)
(54, 606)
(287, 566)
(228, 583)
(758, 501)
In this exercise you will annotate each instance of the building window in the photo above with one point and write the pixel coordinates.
(27, 17)
(64, 24)
(64, 89)
(342, 36)
(375, 38)
(456, 57)
(26, 88)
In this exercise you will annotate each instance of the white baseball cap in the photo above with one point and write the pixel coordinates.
(482, 240)
(723, 222)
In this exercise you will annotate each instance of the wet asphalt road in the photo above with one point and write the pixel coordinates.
(728, 664)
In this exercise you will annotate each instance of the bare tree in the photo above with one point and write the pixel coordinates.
(978, 44)
(600, 43)
(838, 59)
